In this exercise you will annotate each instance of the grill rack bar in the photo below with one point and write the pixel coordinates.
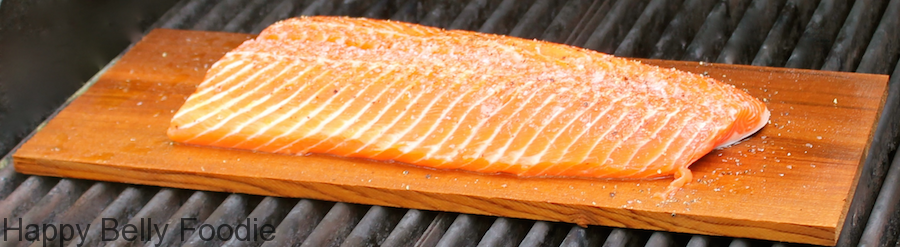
(713, 34)
(819, 35)
(801, 35)
(784, 33)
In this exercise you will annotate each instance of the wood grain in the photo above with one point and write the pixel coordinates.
(790, 182)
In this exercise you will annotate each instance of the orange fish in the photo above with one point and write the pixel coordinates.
(420, 95)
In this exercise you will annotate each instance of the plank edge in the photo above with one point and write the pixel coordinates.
(581, 215)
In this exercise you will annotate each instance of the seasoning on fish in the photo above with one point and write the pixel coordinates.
(429, 97)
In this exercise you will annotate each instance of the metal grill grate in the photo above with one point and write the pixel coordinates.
(842, 35)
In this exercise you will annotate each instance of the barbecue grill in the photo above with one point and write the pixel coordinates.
(47, 52)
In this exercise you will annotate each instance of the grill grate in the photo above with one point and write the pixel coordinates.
(841, 35)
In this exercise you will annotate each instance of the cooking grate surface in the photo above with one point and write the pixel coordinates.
(842, 35)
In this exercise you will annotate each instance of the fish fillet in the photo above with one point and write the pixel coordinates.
(420, 95)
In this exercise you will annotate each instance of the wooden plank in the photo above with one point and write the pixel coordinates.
(790, 182)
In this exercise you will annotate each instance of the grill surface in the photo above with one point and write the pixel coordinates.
(841, 35)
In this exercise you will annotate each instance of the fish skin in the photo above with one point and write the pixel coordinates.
(457, 99)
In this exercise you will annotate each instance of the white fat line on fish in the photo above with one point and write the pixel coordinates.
(474, 129)
(381, 114)
(508, 49)
(668, 117)
(424, 62)
(733, 139)
(501, 152)
(486, 143)
(341, 40)
(444, 114)
(684, 121)
(532, 160)
(626, 136)
(316, 111)
(263, 99)
(399, 135)
(684, 148)
(211, 88)
(600, 115)
(552, 141)
(562, 152)
(293, 110)
(235, 100)
(684, 125)
(599, 139)
(232, 61)
(472, 106)
(220, 95)
(401, 77)
(346, 105)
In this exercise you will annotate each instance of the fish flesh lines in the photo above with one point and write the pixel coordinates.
(395, 91)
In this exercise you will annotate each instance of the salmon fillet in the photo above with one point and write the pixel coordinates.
(420, 95)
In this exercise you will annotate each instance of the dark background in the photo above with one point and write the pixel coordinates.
(49, 49)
